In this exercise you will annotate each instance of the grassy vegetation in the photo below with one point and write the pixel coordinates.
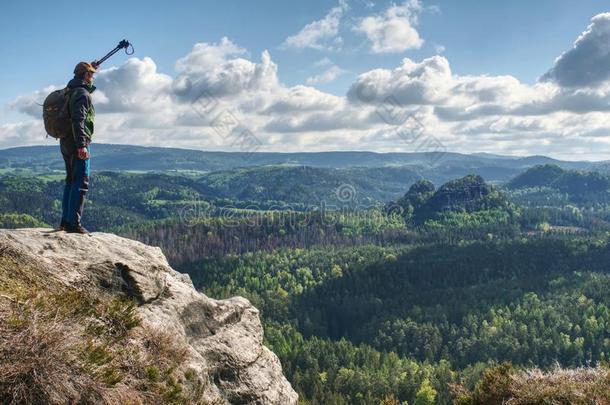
(504, 384)
(60, 345)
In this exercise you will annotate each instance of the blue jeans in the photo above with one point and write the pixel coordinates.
(77, 184)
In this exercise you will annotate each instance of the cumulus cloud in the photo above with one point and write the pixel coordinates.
(320, 122)
(325, 61)
(458, 98)
(135, 86)
(31, 104)
(394, 30)
(327, 76)
(137, 104)
(219, 70)
(321, 34)
(303, 110)
(302, 99)
(205, 55)
(586, 64)
(411, 83)
(22, 133)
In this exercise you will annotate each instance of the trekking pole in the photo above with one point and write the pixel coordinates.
(124, 44)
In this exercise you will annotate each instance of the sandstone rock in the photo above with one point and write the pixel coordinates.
(224, 337)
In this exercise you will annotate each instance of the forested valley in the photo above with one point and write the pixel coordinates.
(377, 288)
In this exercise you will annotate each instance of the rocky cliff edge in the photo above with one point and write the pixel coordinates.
(216, 352)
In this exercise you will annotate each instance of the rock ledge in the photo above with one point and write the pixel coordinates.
(224, 337)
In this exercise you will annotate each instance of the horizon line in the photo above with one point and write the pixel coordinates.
(500, 155)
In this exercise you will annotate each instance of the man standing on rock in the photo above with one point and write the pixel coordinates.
(76, 148)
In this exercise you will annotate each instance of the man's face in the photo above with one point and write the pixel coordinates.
(89, 77)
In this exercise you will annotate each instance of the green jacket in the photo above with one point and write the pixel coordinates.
(82, 112)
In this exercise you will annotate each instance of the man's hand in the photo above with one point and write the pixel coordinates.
(83, 153)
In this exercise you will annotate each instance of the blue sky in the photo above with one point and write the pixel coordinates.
(520, 39)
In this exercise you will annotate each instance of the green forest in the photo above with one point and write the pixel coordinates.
(404, 290)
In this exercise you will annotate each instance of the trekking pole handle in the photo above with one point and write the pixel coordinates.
(122, 44)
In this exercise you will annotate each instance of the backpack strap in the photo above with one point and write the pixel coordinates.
(65, 109)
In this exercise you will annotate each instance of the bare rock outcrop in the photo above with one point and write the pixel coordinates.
(224, 337)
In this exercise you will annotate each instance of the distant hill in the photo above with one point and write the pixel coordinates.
(310, 185)
(579, 186)
(602, 167)
(537, 176)
(438, 169)
(467, 195)
(118, 198)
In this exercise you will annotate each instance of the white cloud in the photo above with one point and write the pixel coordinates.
(586, 64)
(325, 61)
(321, 34)
(218, 70)
(31, 104)
(394, 30)
(24, 133)
(426, 82)
(327, 76)
(135, 86)
(139, 105)
(302, 99)
(204, 55)
(320, 122)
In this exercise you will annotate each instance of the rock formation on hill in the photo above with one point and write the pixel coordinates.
(216, 352)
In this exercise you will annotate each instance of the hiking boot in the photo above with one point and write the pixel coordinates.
(77, 229)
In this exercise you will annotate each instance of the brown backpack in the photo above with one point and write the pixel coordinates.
(56, 115)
